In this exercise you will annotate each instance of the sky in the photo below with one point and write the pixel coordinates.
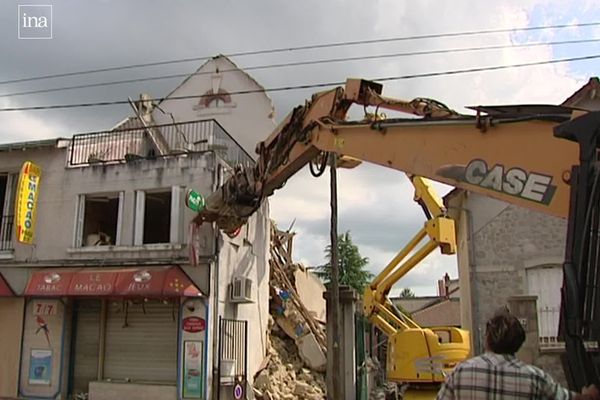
(375, 204)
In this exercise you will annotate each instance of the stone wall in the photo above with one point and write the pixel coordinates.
(498, 242)
(504, 246)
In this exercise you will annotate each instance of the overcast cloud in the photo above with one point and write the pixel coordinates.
(375, 203)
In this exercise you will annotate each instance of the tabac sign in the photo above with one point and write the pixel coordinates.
(27, 196)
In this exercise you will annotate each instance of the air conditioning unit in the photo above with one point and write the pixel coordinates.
(241, 290)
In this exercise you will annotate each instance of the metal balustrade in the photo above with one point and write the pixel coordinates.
(155, 141)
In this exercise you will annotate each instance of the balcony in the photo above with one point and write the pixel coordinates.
(137, 142)
(6, 230)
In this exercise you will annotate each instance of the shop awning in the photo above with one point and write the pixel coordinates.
(155, 282)
(5, 290)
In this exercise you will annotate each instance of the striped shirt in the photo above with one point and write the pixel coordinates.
(493, 376)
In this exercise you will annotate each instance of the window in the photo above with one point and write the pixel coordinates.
(8, 188)
(98, 219)
(158, 216)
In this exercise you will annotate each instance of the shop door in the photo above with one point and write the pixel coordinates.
(86, 336)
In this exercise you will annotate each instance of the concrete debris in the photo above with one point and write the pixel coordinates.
(388, 391)
(307, 284)
(286, 377)
(311, 353)
(261, 381)
(296, 356)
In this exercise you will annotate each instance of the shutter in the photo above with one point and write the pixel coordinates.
(146, 349)
(118, 239)
(8, 212)
(176, 213)
(545, 283)
(79, 220)
(9, 195)
(87, 335)
(138, 229)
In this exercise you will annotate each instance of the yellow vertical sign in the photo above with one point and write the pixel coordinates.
(27, 196)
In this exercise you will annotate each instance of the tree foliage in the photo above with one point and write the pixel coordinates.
(407, 293)
(352, 265)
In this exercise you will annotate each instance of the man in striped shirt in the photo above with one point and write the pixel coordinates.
(499, 375)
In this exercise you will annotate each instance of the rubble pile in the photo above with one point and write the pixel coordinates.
(286, 376)
(295, 365)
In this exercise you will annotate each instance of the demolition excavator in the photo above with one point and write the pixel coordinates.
(542, 157)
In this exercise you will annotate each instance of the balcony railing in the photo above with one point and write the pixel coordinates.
(6, 230)
(149, 142)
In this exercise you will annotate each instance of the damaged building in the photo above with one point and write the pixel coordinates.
(119, 295)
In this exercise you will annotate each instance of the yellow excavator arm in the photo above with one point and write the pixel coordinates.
(508, 153)
(505, 152)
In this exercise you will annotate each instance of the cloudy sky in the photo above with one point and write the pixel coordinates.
(375, 203)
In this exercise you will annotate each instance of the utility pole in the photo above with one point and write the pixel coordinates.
(337, 370)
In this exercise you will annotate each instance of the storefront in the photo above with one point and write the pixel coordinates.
(11, 309)
(114, 333)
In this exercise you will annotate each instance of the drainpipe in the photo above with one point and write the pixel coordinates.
(214, 279)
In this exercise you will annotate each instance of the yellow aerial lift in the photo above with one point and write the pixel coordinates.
(541, 157)
(417, 357)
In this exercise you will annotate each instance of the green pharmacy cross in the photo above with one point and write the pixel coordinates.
(194, 201)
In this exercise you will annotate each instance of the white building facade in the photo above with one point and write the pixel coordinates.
(119, 295)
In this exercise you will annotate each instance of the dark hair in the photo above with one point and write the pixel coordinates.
(504, 333)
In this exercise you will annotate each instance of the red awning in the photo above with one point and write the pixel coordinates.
(123, 282)
(5, 290)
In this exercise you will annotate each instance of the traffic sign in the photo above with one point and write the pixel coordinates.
(238, 391)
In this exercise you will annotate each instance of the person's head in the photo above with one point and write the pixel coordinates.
(504, 333)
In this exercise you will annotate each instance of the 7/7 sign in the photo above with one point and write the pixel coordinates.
(45, 307)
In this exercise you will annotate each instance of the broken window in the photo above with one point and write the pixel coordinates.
(8, 188)
(98, 219)
(157, 216)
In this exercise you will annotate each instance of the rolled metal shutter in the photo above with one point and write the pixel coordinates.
(87, 335)
(144, 349)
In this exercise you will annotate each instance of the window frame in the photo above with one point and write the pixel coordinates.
(176, 217)
(79, 220)
(8, 209)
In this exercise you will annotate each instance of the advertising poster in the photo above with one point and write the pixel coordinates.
(27, 197)
(40, 367)
(192, 370)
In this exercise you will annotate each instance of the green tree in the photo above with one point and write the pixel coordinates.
(407, 293)
(352, 265)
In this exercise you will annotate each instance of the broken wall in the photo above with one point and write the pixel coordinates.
(308, 286)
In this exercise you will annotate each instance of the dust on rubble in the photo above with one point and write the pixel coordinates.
(285, 376)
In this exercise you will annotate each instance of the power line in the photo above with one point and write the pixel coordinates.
(306, 47)
(313, 85)
(302, 63)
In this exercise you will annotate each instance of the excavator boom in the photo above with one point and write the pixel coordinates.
(508, 153)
